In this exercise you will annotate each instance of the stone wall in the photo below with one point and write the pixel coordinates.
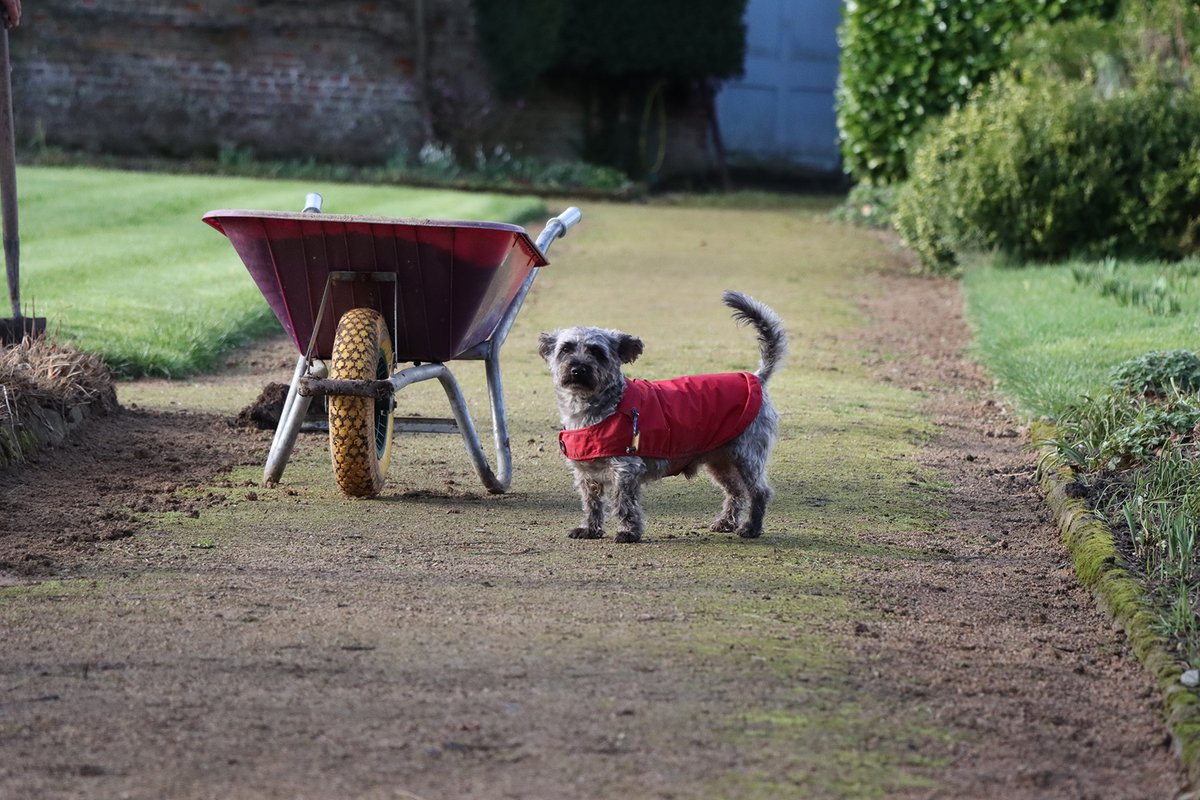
(344, 80)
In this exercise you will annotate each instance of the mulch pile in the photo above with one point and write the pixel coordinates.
(47, 389)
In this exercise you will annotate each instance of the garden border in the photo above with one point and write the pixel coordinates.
(1100, 568)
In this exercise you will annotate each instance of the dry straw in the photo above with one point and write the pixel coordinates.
(42, 371)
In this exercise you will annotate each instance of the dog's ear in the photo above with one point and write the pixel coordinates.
(628, 348)
(546, 344)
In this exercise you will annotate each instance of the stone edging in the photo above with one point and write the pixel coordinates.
(1100, 568)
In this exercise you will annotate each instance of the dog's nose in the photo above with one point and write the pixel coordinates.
(578, 371)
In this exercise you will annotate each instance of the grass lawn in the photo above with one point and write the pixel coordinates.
(1050, 339)
(121, 264)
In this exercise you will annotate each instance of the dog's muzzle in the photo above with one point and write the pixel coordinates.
(579, 375)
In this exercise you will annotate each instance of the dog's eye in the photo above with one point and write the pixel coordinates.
(597, 352)
(567, 347)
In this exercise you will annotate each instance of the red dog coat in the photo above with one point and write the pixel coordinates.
(677, 419)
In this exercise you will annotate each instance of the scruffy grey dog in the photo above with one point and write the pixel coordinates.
(593, 395)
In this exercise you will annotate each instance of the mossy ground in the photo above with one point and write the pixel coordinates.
(452, 643)
(746, 639)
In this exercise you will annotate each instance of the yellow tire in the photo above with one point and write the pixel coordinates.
(360, 428)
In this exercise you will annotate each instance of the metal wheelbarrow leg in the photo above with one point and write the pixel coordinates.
(295, 407)
(495, 481)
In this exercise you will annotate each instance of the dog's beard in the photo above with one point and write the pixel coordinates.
(588, 397)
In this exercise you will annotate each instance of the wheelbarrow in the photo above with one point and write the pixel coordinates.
(362, 296)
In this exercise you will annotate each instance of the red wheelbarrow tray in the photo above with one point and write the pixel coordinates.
(454, 279)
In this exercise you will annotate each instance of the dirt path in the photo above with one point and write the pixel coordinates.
(908, 626)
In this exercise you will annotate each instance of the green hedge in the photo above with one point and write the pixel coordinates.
(1059, 168)
(520, 40)
(684, 39)
(627, 61)
(525, 40)
(906, 61)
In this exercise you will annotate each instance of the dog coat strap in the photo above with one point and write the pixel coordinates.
(636, 440)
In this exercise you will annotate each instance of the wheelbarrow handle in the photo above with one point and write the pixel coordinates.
(557, 227)
(570, 218)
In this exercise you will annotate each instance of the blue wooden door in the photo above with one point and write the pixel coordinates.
(781, 111)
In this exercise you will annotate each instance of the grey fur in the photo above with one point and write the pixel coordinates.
(772, 339)
(585, 364)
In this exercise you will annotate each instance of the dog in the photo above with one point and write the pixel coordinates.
(619, 433)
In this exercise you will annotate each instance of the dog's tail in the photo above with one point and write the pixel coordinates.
(772, 338)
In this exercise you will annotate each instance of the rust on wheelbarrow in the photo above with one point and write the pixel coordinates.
(452, 280)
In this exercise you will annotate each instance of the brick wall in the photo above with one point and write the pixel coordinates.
(329, 79)
(333, 79)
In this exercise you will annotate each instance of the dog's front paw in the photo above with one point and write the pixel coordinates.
(628, 536)
(723, 525)
(585, 533)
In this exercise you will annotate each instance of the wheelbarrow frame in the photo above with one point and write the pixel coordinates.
(310, 379)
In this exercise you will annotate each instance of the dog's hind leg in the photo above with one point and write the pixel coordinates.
(749, 454)
(591, 492)
(724, 476)
(759, 493)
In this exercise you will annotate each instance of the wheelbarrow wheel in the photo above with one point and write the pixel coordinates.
(360, 428)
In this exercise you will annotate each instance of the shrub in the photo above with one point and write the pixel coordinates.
(1119, 431)
(520, 39)
(868, 205)
(906, 61)
(627, 61)
(523, 40)
(1059, 168)
(1158, 373)
(1154, 428)
(680, 39)
(1077, 50)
